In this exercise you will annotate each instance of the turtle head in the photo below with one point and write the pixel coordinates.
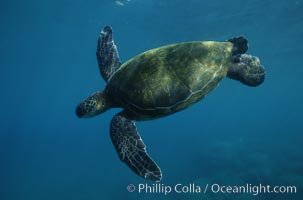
(95, 104)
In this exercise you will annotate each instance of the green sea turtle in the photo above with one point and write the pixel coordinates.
(160, 82)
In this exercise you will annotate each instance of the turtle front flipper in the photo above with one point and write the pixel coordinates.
(131, 148)
(107, 54)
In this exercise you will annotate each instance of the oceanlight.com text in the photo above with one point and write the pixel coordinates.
(253, 189)
(193, 188)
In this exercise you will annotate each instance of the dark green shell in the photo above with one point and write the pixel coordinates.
(165, 80)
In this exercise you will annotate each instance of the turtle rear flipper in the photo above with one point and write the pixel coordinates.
(247, 69)
(131, 148)
(240, 45)
(107, 53)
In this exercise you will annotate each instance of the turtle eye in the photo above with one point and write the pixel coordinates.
(102, 104)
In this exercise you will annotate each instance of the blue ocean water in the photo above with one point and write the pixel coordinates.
(236, 135)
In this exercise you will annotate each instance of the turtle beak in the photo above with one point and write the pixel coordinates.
(80, 112)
